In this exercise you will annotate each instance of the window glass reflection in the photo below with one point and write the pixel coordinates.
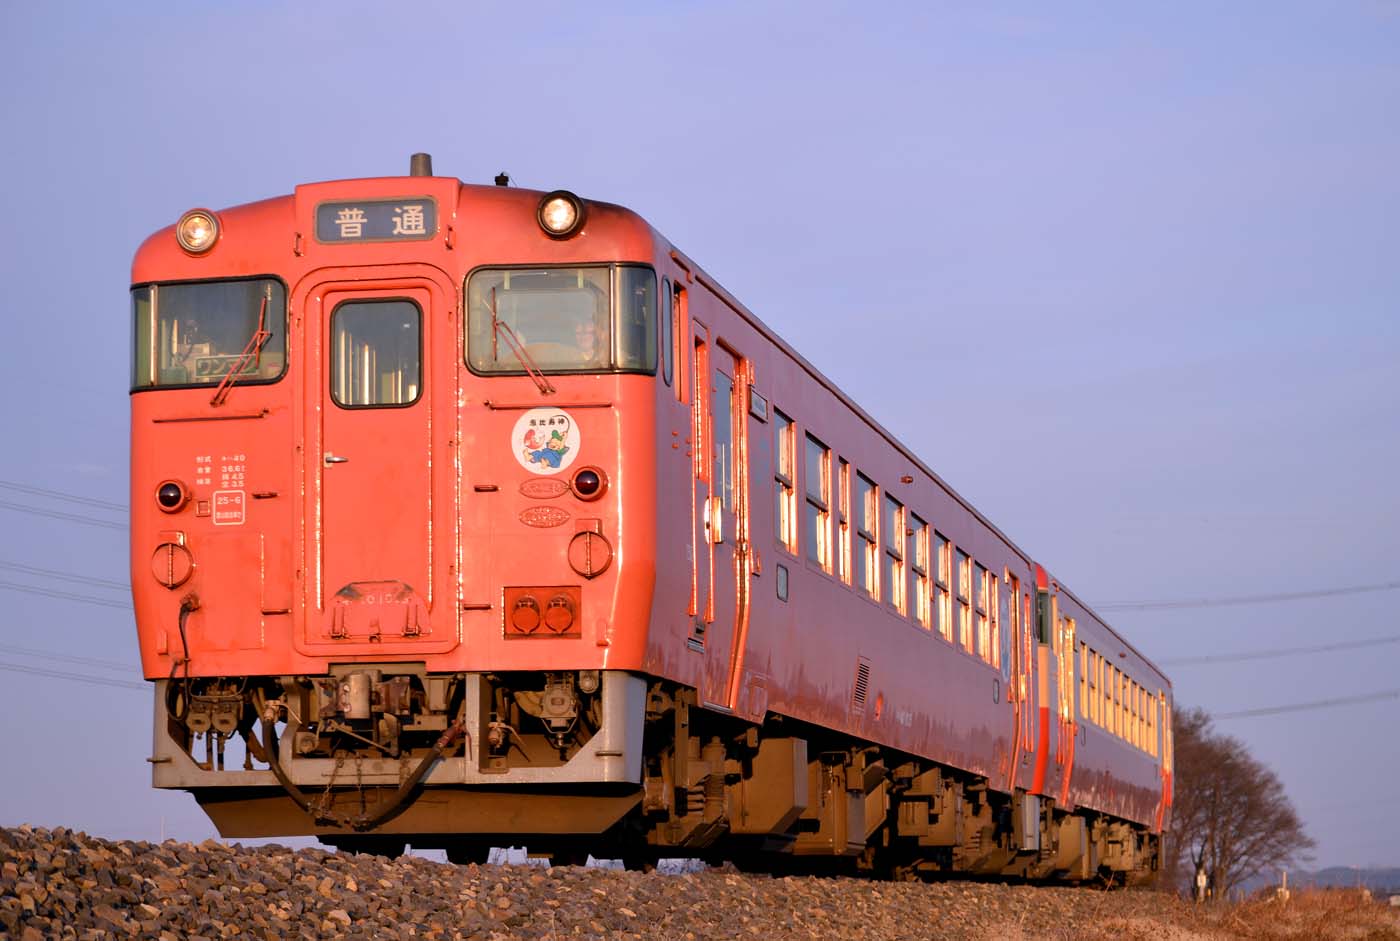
(376, 353)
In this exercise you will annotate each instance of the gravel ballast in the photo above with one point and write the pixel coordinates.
(64, 884)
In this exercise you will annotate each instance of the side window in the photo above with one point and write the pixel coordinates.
(1089, 689)
(867, 562)
(994, 618)
(667, 325)
(1117, 702)
(376, 353)
(684, 379)
(980, 607)
(818, 506)
(1106, 682)
(964, 577)
(943, 587)
(843, 521)
(1152, 725)
(892, 577)
(1141, 716)
(917, 558)
(785, 509)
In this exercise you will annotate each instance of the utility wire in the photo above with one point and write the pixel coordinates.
(66, 595)
(67, 658)
(1309, 706)
(60, 495)
(59, 515)
(1247, 599)
(1281, 652)
(77, 677)
(65, 576)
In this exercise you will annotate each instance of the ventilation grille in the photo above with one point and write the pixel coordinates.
(862, 686)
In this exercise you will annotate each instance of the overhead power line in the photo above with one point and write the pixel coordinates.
(60, 495)
(76, 677)
(66, 595)
(60, 515)
(1281, 652)
(68, 658)
(1247, 599)
(66, 576)
(1309, 706)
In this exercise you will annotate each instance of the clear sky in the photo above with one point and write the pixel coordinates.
(1159, 240)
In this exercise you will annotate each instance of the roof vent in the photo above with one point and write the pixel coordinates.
(420, 165)
(503, 178)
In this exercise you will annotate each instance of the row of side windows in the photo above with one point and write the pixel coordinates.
(1115, 702)
(882, 549)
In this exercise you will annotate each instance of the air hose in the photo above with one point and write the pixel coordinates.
(396, 804)
(188, 605)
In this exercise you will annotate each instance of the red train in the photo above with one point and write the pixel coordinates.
(474, 515)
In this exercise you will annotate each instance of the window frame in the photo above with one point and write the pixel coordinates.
(980, 606)
(785, 491)
(963, 574)
(868, 533)
(943, 588)
(154, 317)
(819, 539)
(330, 366)
(666, 331)
(614, 269)
(918, 564)
(892, 533)
(844, 562)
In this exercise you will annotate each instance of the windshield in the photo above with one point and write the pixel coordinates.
(194, 334)
(596, 319)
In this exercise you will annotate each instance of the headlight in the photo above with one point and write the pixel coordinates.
(560, 214)
(197, 231)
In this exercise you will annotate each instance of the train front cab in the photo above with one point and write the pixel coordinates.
(407, 540)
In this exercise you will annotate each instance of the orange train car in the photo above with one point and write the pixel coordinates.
(468, 515)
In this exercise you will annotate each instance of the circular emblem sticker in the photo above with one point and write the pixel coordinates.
(545, 440)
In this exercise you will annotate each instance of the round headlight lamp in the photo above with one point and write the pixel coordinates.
(197, 231)
(560, 214)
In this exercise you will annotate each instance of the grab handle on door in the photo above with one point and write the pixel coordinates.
(333, 459)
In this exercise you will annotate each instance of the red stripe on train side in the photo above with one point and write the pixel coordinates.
(1042, 752)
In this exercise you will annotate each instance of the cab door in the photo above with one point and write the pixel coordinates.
(378, 525)
(724, 516)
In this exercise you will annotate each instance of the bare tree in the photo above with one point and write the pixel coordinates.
(1230, 815)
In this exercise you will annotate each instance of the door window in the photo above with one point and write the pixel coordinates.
(376, 353)
(722, 482)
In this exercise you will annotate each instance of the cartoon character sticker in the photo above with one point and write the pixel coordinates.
(545, 440)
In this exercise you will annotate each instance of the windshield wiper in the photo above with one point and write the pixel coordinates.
(499, 329)
(253, 352)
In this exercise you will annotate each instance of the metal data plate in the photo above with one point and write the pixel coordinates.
(377, 220)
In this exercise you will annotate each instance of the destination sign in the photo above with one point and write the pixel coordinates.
(381, 220)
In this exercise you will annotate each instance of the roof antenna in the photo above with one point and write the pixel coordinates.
(420, 165)
(503, 178)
